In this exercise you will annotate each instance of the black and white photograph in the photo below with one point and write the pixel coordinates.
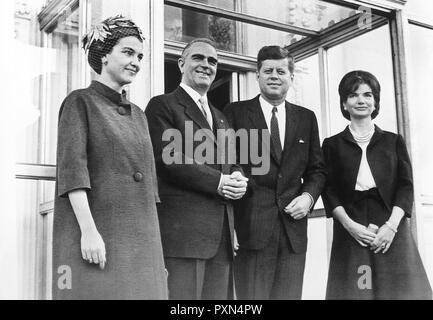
(227, 152)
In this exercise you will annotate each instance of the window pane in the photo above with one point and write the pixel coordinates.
(30, 56)
(34, 210)
(420, 10)
(242, 38)
(308, 14)
(370, 52)
(305, 83)
(47, 72)
(65, 49)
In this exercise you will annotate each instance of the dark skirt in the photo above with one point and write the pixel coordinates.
(358, 273)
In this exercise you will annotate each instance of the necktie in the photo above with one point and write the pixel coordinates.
(275, 134)
(206, 114)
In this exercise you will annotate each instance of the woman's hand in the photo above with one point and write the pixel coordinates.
(93, 247)
(360, 233)
(383, 240)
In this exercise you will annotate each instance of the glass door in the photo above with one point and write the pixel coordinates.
(47, 35)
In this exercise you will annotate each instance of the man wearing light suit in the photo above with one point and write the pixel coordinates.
(271, 219)
(195, 214)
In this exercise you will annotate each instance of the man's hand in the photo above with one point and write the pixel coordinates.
(299, 207)
(235, 244)
(234, 186)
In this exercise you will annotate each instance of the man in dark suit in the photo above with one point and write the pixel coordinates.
(195, 184)
(271, 220)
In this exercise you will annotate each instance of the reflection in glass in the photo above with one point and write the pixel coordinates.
(184, 25)
(309, 14)
(47, 72)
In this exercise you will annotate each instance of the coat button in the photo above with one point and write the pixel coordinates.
(280, 176)
(138, 176)
(121, 111)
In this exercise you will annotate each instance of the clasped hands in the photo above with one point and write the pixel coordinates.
(380, 241)
(233, 186)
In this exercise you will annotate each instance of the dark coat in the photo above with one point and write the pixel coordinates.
(389, 163)
(104, 147)
(191, 213)
(301, 170)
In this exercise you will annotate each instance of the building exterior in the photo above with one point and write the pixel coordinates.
(43, 61)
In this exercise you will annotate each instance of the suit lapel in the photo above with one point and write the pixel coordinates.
(378, 134)
(347, 136)
(191, 108)
(255, 114)
(352, 155)
(223, 158)
(374, 160)
(292, 121)
(257, 118)
(218, 121)
(193, 112)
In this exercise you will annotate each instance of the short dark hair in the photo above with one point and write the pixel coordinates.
(198, 40)
(275, 53)
(351, 82)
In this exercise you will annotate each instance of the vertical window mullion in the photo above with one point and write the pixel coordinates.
(324, 92)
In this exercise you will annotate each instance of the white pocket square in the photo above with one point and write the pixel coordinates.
(301, 141)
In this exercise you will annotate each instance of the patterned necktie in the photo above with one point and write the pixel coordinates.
(207, 115)
(275, 134)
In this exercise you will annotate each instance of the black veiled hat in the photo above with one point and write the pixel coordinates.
(103, 37)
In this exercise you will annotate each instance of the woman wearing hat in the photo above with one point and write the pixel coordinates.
(370, 184)
(106, 239)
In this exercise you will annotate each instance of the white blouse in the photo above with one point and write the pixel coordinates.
(364, 180)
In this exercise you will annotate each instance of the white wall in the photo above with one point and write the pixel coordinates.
(420, 79)
(317, 261)
(8, 220)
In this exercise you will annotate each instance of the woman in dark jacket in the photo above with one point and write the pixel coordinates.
(369, 193)
(106, 239)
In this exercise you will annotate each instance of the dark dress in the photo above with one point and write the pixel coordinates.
(104, 147)
(356, 272)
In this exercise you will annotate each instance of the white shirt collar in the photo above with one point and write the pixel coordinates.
(192, 93)
(281, 116)
(268, 107)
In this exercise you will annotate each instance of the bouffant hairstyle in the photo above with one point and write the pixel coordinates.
(275, 53)
(101, 40)
(351, 82)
